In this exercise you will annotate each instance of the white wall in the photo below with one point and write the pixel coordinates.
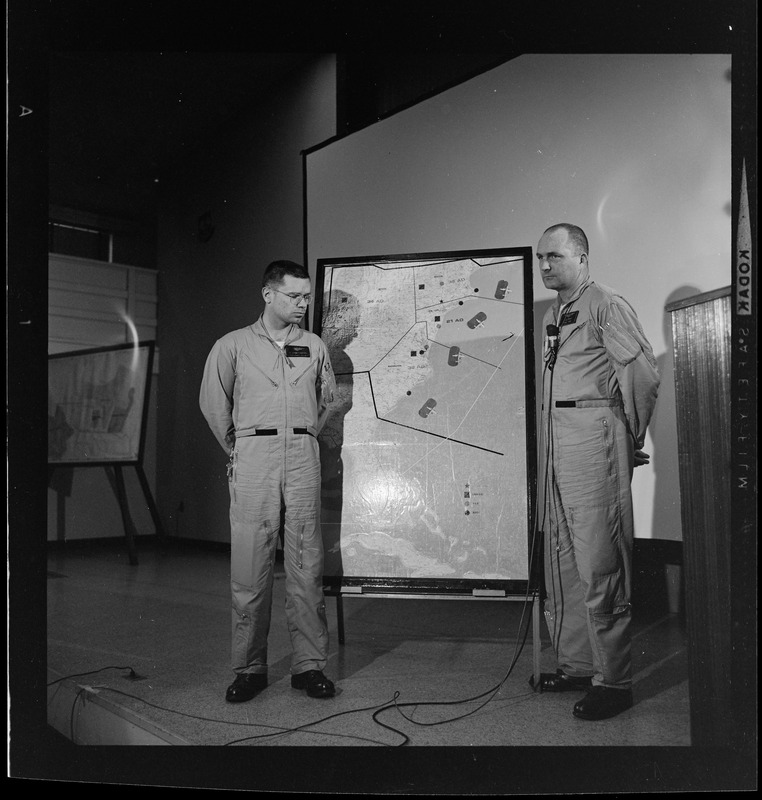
(634, 148)
(249, 181)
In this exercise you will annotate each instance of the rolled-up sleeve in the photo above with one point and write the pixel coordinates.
(216, 395)
(632, 358)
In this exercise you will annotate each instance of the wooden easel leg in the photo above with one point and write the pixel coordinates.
(62, 489)
(60, 516)
(117, 484)
(151, 504)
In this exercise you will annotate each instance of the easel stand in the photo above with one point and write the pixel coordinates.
(476, 594)
(116, 479)
(115, 475)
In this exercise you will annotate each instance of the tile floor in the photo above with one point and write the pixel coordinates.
(415, 672)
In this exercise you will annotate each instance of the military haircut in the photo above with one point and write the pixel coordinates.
(576, 235)
(276, 271)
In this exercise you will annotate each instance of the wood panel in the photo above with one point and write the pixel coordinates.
(701, 334)
(95, 303)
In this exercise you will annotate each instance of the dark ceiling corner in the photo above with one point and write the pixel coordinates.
(120, 122)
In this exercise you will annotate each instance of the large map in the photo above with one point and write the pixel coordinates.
(424, 451)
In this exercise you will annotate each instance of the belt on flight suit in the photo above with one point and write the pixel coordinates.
(604, 402)
(274, 431)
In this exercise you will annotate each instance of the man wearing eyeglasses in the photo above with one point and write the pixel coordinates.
(264, 394)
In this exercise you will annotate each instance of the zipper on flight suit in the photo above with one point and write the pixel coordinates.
(303, 373)
(259, 369)
(294, 382)
(282, 359)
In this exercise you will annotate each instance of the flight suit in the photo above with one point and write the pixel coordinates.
(265, 405)
(599, 389)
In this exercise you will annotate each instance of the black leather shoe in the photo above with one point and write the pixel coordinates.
(245, 686)
(559, 681)
(601, 703)
(316, 684)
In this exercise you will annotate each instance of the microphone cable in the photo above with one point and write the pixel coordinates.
(490, 693)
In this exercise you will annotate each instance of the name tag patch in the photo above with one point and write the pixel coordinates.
(292, 351)
(569, 318)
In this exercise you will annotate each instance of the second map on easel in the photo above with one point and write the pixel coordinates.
(428, 449)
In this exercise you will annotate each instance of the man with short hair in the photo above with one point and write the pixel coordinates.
(264, 394)
(600, 384)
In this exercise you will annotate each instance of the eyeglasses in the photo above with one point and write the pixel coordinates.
(295, 298)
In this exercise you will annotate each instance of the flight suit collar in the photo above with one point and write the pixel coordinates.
(293, 335)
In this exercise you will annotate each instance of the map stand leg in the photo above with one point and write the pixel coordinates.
(151, 504)
(340, 617)
(536, 646)
(116, 478)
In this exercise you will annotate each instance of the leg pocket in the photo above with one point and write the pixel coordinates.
(252, 550)
(585, 465)
(596, 536)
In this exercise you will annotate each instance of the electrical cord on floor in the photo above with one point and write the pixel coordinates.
(488, 694)
(377, 708)
(279, 731)
(81, 691)
(132, 676)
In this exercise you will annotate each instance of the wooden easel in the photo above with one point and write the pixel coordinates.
(113, 467)
(115, 477)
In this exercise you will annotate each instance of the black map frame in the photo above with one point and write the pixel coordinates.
(338, 580)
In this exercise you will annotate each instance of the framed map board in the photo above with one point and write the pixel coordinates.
(98, 405)
(428, 452)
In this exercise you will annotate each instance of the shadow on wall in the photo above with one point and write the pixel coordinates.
(340, 321)
(540, 309)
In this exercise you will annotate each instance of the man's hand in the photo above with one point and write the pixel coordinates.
(641, 458)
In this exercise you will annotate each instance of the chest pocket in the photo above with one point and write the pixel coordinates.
(568, 331)
(303, 369)
(255, 392)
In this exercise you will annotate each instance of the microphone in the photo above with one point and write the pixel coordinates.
(552, 334)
